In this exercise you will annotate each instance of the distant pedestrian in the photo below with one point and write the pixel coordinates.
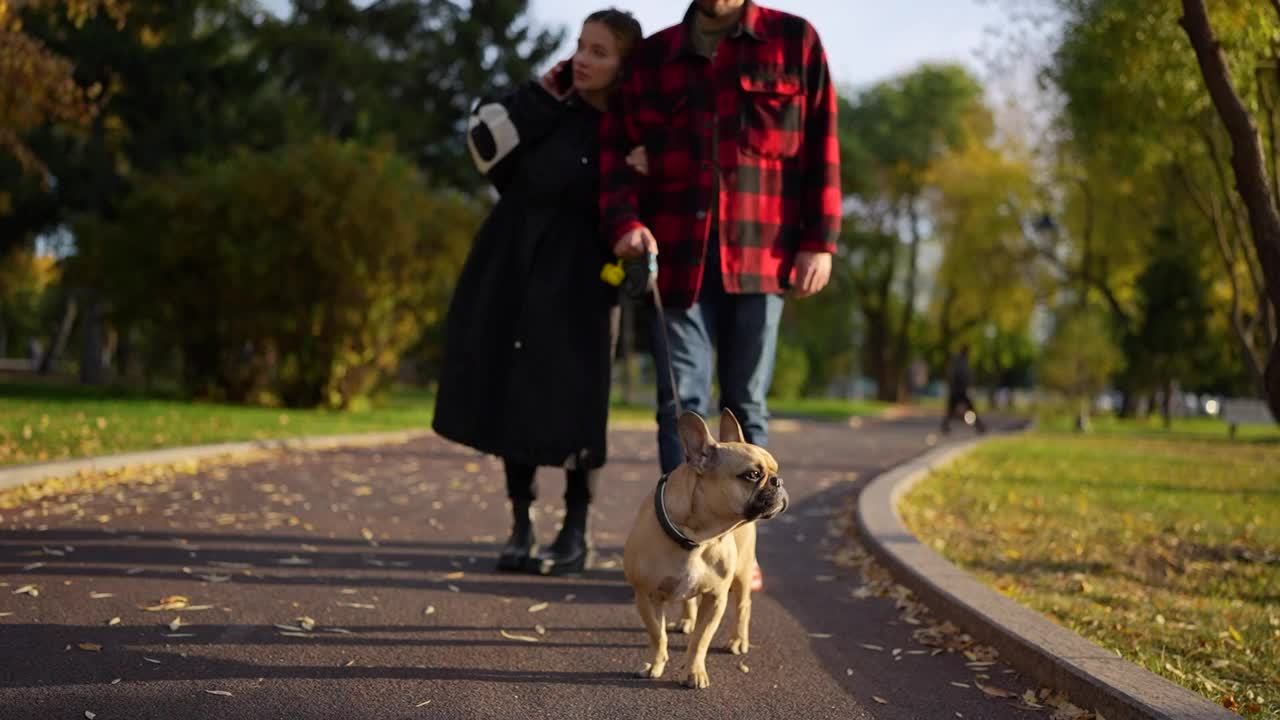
(958, 378)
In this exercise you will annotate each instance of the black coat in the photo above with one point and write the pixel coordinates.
(529, 332)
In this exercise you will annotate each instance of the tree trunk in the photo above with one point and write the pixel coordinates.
(902, 355)
(50, 359)
(4, 336)
(91, 341)
(1249, 166)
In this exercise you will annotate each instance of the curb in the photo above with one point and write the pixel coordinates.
(36, 472)
(1055, 657)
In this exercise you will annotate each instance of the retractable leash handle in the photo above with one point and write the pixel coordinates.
(637, 278)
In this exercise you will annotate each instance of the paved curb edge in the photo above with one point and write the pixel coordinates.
(36, 472)
(1055, 657)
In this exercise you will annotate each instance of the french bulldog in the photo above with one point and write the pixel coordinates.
(706, 552)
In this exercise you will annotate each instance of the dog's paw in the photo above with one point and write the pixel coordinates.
(697, 679)
(652, 671)
(738, 646)
(684, 627)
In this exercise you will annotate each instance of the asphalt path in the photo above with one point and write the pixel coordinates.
(388, 552)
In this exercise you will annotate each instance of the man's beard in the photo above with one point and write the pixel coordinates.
(710, 13)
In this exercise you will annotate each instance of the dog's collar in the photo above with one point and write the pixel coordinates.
(668, 527)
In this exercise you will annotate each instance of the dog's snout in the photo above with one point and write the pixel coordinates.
(775, 481)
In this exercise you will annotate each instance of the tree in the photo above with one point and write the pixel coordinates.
(891, 136)
(1260, 197)
(408, 70)
(1079, 359)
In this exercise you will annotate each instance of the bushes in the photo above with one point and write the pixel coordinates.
(296, 277)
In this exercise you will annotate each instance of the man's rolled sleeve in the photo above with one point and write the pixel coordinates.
(821, 149)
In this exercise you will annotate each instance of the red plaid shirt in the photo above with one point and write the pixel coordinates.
(769, 90)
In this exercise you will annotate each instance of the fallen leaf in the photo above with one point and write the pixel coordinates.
(570, 597)
(32, 566)
(960, 684)
(134, 571)
(1029, 697)
(514, 636)
(31, 590)
(879, 699)
(179, 635)
(540, 629)
(5, 614)
(993, 691)
(152, 660)
(539, 607)
(294, 560)
(195, 608)
(116, 681)
(362, 606)
(175, 624)
(100, 595)
(223, 693)
(90, 647)
(340, 631)
(113, 621)
(454, 588)
(820, 636)
(743, 667)
(424, 703)
(455, 575)
(869, 646)
(173, 602)
(90, 714)
(214, 578)
(306, 623)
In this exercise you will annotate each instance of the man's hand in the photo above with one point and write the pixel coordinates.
(635, 243)
(638, 160)
(812, 272)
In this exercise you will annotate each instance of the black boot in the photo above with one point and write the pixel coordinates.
(517, 554)
(571, 552)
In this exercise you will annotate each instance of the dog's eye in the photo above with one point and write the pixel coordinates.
(752, 475)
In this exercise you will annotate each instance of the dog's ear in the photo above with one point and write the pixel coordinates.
(730, 430)
(699, 446)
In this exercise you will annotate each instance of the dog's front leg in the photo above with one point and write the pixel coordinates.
(710, 610)
(654, 617)
(688, 616)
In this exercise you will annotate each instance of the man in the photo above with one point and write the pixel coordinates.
(958, 392)
(740, 197)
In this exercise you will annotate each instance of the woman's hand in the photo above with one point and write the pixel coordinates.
(638, 160)
(548, 81)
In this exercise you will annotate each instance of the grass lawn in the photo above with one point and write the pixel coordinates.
(42, 421)
(1163, 546)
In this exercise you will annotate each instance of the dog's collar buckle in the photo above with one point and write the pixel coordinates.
(664, 520)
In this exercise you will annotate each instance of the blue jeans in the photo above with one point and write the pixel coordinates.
(737, 336)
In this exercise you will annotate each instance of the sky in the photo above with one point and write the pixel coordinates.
(866, 40)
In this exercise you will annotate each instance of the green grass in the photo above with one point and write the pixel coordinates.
(49, 421)
(42, 421)
(826, 408)
(1163, 546)
(1197, 428)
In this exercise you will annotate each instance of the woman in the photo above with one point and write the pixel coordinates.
(528, 336)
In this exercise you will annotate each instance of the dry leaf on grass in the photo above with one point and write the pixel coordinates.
(514, 636)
